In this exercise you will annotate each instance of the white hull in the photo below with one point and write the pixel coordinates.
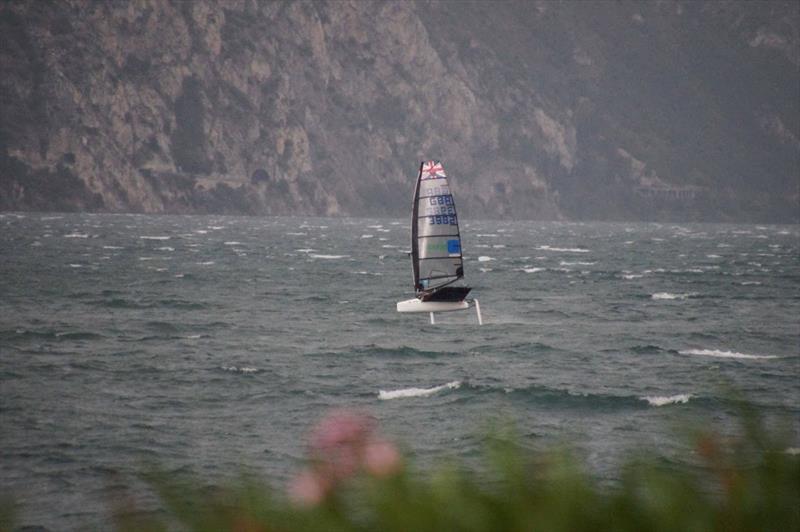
(415, 305)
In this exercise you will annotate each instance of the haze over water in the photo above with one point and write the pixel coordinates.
(213, 343)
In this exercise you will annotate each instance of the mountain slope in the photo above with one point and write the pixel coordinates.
(579, 110)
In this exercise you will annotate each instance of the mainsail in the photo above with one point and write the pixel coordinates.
(435, 238)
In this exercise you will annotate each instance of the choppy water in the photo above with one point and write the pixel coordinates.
(213, 343)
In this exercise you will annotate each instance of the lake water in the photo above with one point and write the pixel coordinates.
(212, 344)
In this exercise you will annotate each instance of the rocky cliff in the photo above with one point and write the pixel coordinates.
(581, 110)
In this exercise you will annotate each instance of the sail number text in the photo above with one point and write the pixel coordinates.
(442, 220)
(441, 200)
(431, 210)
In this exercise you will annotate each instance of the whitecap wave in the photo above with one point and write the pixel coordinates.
(658, 400)
(724, 354)
(668, 295)
(417, 392)
(76, 235)
(328, 257)
(155, 237)
(564, 250)
(484, 258)
(236, 369)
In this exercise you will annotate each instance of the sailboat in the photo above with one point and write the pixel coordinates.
(436, 256)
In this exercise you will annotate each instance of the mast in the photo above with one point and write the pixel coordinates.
(415, 229)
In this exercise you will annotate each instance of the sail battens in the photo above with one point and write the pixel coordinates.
(450, 277)
(435, 215)
(435, 236)
(436, 196)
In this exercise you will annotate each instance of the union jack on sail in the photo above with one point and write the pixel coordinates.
(432, 170)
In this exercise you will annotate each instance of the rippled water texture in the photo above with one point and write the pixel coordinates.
(212, 344)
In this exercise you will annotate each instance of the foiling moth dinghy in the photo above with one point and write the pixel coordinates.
(436, 247)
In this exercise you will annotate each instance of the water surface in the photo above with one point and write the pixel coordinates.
(212, 344)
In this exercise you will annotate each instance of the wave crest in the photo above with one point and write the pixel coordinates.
(417, 392)
(237, 369)
(563, 250)
(668, 295)
(723, 354)
(657, 400)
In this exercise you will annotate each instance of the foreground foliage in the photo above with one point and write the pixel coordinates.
(356, 480)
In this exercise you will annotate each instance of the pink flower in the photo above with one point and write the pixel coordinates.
(341, 427)
(308, 488)
(381, 458)
(337, 442)
(343, 444)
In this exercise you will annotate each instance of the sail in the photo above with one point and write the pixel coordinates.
(435, 238)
